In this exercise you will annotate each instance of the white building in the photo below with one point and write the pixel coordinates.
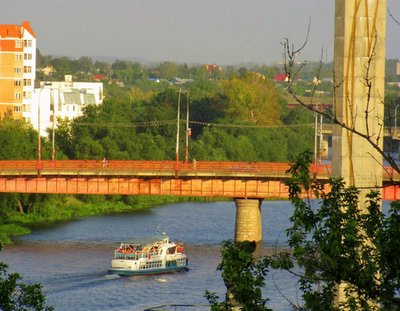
(65, 100)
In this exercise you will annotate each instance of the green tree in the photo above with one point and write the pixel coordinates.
(168, 70)
(334, 242)
(62, 66)
(18, 140)
(16, 295)
(244, 278)
(252, 99)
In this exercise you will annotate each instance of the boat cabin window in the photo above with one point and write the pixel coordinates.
(171, 250)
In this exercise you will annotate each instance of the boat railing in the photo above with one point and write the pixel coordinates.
(134, 255)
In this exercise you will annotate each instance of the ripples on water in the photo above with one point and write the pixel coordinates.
(71, 260)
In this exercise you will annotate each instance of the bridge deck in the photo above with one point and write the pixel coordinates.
(202, 178)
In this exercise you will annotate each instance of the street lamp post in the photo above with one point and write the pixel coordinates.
(53, 152)
(39, 142)
(321, 138)
(177, 127)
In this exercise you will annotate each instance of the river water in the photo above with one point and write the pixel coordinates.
(71, 259)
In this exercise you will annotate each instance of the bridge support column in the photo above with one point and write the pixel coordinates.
(248, 226)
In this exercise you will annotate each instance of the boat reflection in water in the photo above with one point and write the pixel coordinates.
(156, 257)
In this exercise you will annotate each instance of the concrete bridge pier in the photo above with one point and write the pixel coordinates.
(248, 226)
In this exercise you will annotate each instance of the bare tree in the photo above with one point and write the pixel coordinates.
(292, 71)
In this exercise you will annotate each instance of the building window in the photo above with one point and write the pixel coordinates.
(28, 43)
(18, 57)
(27, 69)
(17, 108)
(27, 108)
(17, 82)
(17, 96)
(27, 82)
(18, 43)
(18, 69)
(27, 94)
(27, 56)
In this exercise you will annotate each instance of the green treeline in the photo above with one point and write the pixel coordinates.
(240, 119)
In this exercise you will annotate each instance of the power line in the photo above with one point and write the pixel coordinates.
(250, 125)
(173, 122)
(125, 125)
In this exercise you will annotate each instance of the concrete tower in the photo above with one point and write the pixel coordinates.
(359, 63)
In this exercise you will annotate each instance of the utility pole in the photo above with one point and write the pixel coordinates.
(188, 130)
(315, 138)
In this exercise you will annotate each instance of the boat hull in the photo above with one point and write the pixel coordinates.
(127, 272)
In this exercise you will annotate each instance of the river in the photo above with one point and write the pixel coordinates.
(71, 259)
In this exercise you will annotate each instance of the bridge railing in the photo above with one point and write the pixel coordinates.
(271, 168)
(143, 165)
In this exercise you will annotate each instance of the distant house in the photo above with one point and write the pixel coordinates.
(98, 77)
(48, 70)
(157, 80)
(181, 81)
(281, 77)
(396, 84)
(259, 75)
(212, 68)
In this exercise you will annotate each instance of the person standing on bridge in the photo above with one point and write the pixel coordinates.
(194, 163)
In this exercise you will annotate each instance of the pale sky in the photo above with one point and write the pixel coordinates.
(184, 31)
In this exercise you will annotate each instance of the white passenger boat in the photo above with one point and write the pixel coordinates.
(160, 256)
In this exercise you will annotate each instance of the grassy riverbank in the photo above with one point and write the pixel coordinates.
(60, 208)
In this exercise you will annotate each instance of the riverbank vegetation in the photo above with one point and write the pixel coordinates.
(51, 209)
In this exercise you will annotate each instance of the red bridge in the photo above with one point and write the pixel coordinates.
(258, 180)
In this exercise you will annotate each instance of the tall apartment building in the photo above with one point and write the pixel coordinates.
(17, 69)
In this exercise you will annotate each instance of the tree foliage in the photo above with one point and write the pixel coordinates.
(16, 295)
(17, 139)
(335, 242)
(244, 278)
(252, 98)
